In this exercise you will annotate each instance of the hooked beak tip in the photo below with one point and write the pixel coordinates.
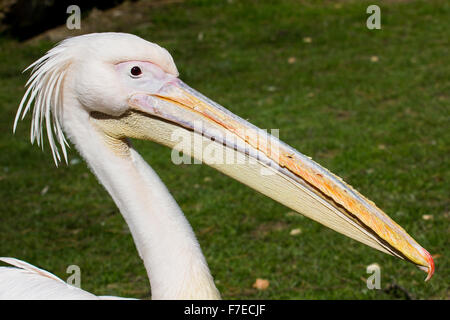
(430, 268)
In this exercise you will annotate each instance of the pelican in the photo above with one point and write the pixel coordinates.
(100, 90)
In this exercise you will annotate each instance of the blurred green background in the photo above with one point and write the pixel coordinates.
(370, 105)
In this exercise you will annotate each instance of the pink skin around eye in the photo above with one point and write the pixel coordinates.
(151, 80)
(156, 72)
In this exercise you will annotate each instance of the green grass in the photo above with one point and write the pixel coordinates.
(382, 126)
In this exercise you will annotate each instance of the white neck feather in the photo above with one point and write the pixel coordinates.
(165, 241)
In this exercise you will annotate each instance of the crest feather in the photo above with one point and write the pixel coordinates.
(44, 94)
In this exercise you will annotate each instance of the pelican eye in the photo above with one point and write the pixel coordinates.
(136, 71)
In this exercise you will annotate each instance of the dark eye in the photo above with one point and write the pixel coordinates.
(136, 71)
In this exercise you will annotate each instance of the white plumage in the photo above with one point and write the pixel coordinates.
(28, 282)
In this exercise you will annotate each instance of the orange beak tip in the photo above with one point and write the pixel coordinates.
(430, 268)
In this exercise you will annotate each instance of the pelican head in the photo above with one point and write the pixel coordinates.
(121, 86)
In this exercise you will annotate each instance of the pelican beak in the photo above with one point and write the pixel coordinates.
(185, 120)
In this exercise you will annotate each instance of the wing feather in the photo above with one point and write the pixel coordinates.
(27, 282)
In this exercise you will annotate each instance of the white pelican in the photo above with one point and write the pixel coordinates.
(100, 90)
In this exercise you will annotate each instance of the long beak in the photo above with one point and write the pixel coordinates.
(216, 136)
